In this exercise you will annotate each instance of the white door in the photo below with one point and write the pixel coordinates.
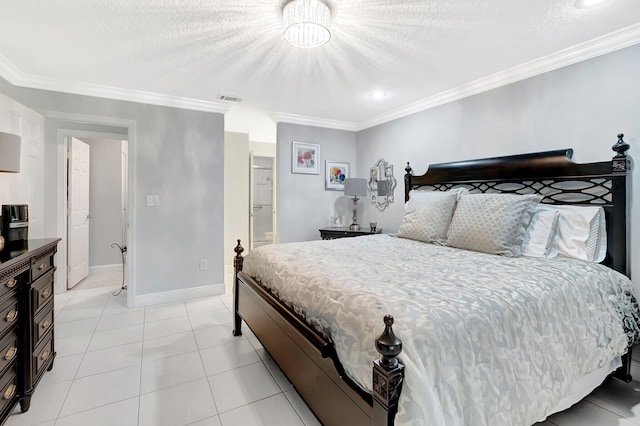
(78, 217)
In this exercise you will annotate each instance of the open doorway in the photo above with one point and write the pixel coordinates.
(262, 218)
(97, 195)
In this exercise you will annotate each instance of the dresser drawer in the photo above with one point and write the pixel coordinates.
(42, 323)
(8, 312)
(8, 350)
(42, 353)
(41, 265)
(11, 282)
(42, 291)
(8, 388)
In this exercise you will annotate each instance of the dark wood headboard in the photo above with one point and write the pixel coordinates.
(551, 174)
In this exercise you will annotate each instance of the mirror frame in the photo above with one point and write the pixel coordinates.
(379, 168)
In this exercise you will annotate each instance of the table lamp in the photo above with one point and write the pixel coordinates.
(355, 187)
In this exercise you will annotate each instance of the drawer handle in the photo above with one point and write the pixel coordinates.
(11, 353)
(45, 355)
(46, 324)
(46, 293)
(42, 266)
(11, 390)
(11, 316)
(12, 283)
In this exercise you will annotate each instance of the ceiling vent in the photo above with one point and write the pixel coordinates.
(229, 98)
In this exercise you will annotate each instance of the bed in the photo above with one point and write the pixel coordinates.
(327, 350)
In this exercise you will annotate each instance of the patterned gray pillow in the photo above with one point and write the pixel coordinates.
(491, 223)
(428, 214)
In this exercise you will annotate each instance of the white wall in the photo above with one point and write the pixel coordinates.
(105, 189)
(263, 148)
(26, 187)
(236, 199)
(243, 118)
(304, 206)
(582, 106)
(179, 157)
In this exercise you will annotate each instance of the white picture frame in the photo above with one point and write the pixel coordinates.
(335, 172)
(305, 158)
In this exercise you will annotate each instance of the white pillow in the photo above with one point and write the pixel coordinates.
(582, 232)
(428, 214)
(492, 223)
(541, 237)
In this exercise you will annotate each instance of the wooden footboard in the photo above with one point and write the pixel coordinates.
(310, 362)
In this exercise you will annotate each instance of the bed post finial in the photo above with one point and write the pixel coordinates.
(407, 181)
(237, 262)
(620, 162)
(388, 375)
(237, 265)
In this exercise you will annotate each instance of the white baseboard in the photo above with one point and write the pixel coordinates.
(105, 269)
(178, 295)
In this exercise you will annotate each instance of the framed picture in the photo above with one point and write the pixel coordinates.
(305, 158)
(335, 174)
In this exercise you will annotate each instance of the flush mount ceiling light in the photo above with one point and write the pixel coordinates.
(306, 23)
(378, 94)
(583, 4)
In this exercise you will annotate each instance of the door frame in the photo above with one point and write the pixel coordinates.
(274, 195)
(64, 119)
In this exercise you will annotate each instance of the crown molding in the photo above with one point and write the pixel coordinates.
(16, 77)
(283, 117)
(607, 43)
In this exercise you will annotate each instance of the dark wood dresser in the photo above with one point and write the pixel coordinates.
(26, 320)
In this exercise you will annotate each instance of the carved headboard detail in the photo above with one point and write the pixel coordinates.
(551, 174)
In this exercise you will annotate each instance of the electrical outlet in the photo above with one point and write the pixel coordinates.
(203, 265)
(153, 200)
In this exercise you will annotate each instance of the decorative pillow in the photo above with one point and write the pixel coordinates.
(582, 232)
(428, 214)
(541, 237)
(491, 223)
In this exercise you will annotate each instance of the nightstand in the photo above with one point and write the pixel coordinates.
(333, 233)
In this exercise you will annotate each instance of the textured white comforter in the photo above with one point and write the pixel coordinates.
(487, 340)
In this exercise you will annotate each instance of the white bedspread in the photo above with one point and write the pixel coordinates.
(487, 340)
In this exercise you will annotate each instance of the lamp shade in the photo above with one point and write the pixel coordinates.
(9, 152)
(355, 187)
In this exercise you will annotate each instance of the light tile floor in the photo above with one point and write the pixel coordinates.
(177, 364)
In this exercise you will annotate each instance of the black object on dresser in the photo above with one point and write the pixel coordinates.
(15, 223)
(333, 233)
(26, 320)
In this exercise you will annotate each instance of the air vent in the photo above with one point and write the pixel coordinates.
(229, 98)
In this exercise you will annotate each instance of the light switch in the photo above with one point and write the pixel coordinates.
(153, 200)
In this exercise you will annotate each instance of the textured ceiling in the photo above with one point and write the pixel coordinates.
(410, 49)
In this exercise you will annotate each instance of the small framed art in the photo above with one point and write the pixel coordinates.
(335, 174)
(305, 158)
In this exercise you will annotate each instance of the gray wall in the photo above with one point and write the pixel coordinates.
(179, 156)
(105, 189)
(303, 204)
(582, 106)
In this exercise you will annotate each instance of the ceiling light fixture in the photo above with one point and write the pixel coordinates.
(378, 94)
(306, 23)
(583, 4)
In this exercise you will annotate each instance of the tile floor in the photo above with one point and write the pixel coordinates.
(177, 364)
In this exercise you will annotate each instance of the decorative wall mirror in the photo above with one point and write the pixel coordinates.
(382, 184)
